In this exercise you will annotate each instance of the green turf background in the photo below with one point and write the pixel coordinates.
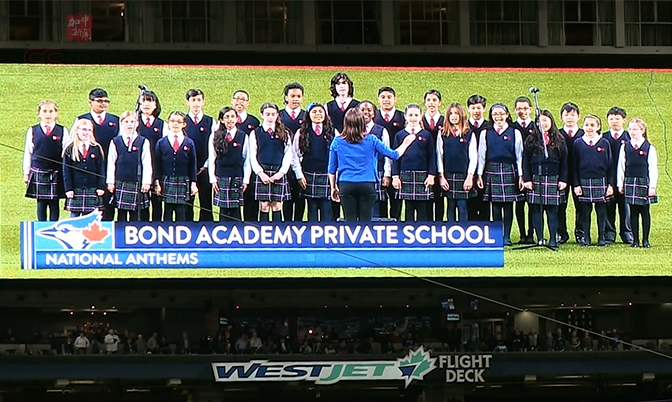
(23, 86)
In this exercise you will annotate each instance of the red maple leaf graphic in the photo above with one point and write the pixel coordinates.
(95, 233)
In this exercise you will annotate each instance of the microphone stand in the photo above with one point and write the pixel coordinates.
(537, 132)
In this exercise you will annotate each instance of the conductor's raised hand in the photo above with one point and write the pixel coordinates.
(409, 139)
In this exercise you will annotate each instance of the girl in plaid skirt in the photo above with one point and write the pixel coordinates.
(129, 169)
(637, 177)
(229, 166)
(593, 177)
(384, 165)
(545, 176)
(83, 171)
(457, 155)
(175, 169)
(413, 173)
(311, 157)
(42, 161)
(500, 166)
(271, 158)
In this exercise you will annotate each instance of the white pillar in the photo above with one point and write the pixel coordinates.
(387, 22)
(619, 23)
(309, 23)
(463, 11)
(542, 12)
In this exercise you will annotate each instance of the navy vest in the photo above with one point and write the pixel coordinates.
(47, 149)
(456, 153)
(270, 148)
(231, 164)
(317, 158)
(153, 133)
(175, 164)
(128, 160)
(200, 133)
(337, 115)
(292, 124)
(637, 160)
(106, 131)
(89, 172)
(501, 148)
(249, 124)
(396, 123)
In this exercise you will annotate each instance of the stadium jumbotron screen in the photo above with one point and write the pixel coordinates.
(618, 98)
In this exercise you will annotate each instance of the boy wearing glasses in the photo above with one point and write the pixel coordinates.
(246, 123)
(105, 127)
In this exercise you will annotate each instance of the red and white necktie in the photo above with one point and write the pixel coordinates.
(498, 130)
(318, 130)
(342, 106)
(636, 147)
(47, 130)
(412, 131)
(523, 124)
(387, 118)
(431, 124)
(547, 138)
(128, 142)
(195, 119)
(455, 132)
(148, 124)
(293, 115)
(100, 120)
(570, 133)
(239, 119)
(270, 131)
(590, 143)
(176, 144)
(85, 151)
(476, 124)
(229, 138)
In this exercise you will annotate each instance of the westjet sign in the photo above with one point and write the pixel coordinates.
(414, 366)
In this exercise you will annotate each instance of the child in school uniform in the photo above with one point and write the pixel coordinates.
(457, 156)
(129, 169)
(42, 167)
(570, 115)
(394, 121)
(271, 158)
(617, 137)
(246, 123)
(229, 165)
(152, 128)
(637, 179)
(293, 117)
(525, 125)
(311, 159)
(342, 91)
(384, 164)
(500, 166)
(432, 121)
(593, 177)
(478, 209)
(545, 176)
(199, 128)
(83, 171)
(106, 127)
(413, 174)
(175, 169)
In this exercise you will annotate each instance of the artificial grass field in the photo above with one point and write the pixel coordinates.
(23, 86)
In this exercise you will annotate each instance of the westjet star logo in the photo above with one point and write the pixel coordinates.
(78, 233)
(414, 366)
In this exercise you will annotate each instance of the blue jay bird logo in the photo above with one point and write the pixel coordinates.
(416, 364)
(78, 233)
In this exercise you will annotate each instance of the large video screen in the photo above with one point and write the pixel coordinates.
(640, 93)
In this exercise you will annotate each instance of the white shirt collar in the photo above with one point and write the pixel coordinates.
(638, 142)
(233, 131)
(527, 122)
(199, 116)
(288, 109)
(315, 125)
(44, 126)
(144, 119)
(369, 126)
(345, 102)
(595, 139)
(480, 121)
(95, 115)
(265, 127)
(502, 129)
(243, 115)
(574, 129)
(389, 112)
(618, 133)
(416, 128)
(436, 117)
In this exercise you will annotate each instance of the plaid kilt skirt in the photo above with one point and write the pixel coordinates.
(230, 194)
(175, 190)
(85, 200)
(456, 187)
(381, 192)
(127, 195)
(545, 191)
(278, 191)
(413, 186)
(501, 183)
(594, 190)
(45, 184)
(636, 191)
(317, 185)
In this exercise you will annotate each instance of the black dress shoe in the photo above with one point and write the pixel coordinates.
(562, 239)
(646, 244)
(627, 239)
(507, 242)
(634, 245)
(552, 244)
(602, 243)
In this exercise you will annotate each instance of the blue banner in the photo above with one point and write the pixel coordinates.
(88, 242)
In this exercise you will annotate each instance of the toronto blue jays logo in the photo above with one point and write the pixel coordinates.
(78, 233)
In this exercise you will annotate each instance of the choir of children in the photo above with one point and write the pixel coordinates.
(480, 166)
